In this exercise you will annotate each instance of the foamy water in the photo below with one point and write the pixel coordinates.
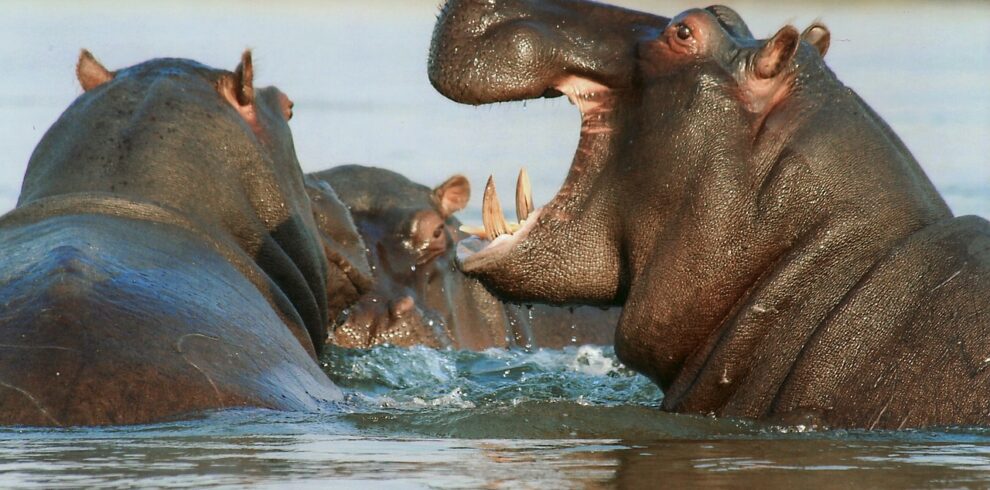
(426, 418)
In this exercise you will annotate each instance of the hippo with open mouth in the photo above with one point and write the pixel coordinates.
(779, 253)
(163, 257)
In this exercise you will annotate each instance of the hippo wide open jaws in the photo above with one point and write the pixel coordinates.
(779, 253)
(163, 257)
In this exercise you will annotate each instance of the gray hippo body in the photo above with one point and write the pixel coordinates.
(779, 253)
(419, 296)
(162, 259)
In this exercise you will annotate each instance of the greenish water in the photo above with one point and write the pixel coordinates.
(496, 419)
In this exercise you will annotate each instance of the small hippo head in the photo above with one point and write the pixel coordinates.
(408, 230)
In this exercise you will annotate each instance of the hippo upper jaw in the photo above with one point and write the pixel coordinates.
(486, 51)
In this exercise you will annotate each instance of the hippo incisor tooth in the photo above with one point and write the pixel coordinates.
(491, 212)
(524, 196)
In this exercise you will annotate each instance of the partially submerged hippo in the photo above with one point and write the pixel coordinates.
(419, 296)
(778, 251)
(349, 274)
(163, 257)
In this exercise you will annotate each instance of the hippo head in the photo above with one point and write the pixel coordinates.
(214, 151)
(408, 230)
(708, 159)
(652, 93)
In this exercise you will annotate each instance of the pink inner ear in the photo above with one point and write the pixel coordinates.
(91, 73)
(453, 195)
(228, 90)
(777, 52)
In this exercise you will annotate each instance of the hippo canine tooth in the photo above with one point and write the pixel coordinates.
(524, 196)
(479, 231)
(491, 212)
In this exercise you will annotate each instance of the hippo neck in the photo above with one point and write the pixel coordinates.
(812, 261)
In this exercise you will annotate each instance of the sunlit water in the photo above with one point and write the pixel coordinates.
(543, 419)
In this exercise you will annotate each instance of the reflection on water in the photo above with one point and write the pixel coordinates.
(498, 419)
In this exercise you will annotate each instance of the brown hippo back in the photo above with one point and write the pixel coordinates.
(163, 257)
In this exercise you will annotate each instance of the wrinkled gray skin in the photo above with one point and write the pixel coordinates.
(349, 273)
(779, 253)
(163, 258)
(419, 296)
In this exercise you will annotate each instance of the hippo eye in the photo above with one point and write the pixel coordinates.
(683, 32)
(437, 232)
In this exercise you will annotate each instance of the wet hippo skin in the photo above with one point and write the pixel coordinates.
(778, 252)
(163, 258)
(419, 296)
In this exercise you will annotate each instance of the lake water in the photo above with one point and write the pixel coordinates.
(546, 419)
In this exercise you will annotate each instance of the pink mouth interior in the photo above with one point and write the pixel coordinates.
(593, 100)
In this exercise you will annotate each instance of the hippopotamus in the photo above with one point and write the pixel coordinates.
(163, 257)
(419, 296)
(779, 253)
(349, 276)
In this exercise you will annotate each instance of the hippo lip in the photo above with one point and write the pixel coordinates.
(476, 254)
(595, 103)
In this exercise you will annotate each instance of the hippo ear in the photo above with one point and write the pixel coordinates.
(91, 73)
(244, 80)
(776, 53)
(453, 195)
(818, 36)
(238, 89)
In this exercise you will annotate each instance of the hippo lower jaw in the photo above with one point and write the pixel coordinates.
(595, 103)
(475, 254)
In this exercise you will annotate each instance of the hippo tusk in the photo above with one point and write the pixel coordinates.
(491, 212)
(493, 221)
(524, 196)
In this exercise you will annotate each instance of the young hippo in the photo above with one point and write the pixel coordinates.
(778, 251)
(162, 259)
(419, 296)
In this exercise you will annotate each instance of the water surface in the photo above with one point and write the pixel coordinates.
(421, 418)
(543, 419)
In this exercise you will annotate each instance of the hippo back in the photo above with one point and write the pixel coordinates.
(163, 258)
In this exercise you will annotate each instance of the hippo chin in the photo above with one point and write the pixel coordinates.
(419, 297)
(779, 253)
(163, 258)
